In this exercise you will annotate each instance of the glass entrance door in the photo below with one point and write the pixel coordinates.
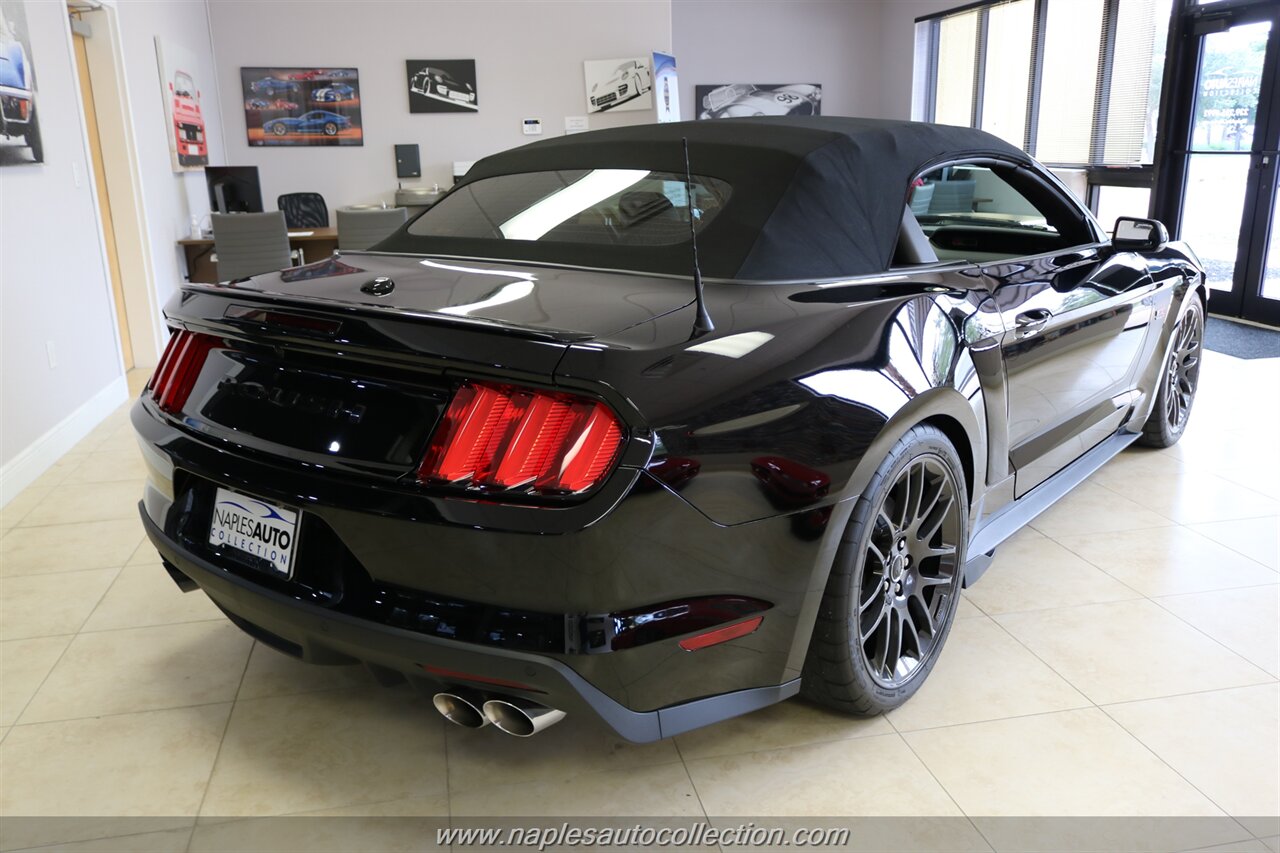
(1227, 196)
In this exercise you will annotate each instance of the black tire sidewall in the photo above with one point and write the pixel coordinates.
(845, 579)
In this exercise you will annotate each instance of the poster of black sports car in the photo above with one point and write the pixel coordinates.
(20, 131)
(734, 100)
(442, 85)
(302, 106)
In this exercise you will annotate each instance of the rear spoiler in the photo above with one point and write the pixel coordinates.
(344, 307)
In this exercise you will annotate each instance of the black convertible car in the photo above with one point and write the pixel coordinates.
(664, 423)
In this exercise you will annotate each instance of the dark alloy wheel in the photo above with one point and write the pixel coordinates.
(1181, 377)
(279, 129)
(330, 129)
(906, 589)
(895, 585)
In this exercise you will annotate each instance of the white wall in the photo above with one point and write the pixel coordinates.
(53, 281)
(528, 57)
(832, 42)
(169, 198)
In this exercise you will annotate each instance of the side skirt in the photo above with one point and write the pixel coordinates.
(1024, 510)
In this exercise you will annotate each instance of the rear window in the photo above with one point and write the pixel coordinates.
(620, 207)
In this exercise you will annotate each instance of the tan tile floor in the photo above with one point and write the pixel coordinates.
(1120, 657)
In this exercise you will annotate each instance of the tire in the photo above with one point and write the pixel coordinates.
(1179, 379)
(330, 129)
(32, 138)
(279, 129)
(920, 594)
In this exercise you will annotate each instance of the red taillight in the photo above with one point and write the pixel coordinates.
(181, 363)
(504, 437)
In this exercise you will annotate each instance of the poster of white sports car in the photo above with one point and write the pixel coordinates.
(734, 100)
(619, 84)
(442, 85)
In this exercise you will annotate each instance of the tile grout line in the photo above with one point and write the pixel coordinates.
(213, 765)
(1176, 771)
(944, 788)
(18, 719)
(688, 775)
(1153, 599)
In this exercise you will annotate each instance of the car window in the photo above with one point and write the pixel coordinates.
(980, 213)
(626, 207)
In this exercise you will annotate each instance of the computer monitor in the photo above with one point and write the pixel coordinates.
(233, 189)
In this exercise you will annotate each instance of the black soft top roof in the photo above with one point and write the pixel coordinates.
(813, 197)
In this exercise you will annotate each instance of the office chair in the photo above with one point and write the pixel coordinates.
(304, 210)
(246, 244)
(360, 229)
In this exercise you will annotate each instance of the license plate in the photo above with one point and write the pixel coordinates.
(255, 527)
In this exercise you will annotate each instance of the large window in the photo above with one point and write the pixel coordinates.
(1075, 83)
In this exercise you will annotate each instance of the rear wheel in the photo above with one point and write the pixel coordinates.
(330, 129)
(1179, 381)
(895, 585)
(279, 129)
(32, 138)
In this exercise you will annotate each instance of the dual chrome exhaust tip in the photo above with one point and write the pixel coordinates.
(513, 716)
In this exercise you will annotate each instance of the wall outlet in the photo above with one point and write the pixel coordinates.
(52, 353)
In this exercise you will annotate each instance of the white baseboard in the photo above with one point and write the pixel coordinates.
(37, 457)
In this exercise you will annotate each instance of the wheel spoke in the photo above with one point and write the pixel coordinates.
(865, 631)
(940, 551)
(910, 628)
(934, 521)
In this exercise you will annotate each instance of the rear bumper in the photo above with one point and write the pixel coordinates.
(322, 636)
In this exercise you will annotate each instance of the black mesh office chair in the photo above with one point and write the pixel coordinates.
(304, 210)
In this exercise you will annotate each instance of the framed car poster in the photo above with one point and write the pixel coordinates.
(666, 88)
(302, 106)
(619, 84)
(20, 140)
(442, 85)
(734, 100)
(180, 91)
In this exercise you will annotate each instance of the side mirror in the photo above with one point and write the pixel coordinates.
(1139, 235)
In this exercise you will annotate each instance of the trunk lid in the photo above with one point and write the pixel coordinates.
(561, 303)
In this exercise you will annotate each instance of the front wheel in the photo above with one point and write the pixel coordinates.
(279, 129)
(895, 585)
(1178, 381)
(330, 129)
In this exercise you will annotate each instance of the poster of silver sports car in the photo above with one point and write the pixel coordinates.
(733, 100)
(442, 85)
(302, 106)
(619, 84)
(19, 128)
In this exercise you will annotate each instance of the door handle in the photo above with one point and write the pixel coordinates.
(1030, 321)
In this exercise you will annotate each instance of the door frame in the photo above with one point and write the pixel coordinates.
(1177, 113)
(123, 179)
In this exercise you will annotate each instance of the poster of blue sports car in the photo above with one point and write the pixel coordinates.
(302, 106)
(734, 100)
(19, 127)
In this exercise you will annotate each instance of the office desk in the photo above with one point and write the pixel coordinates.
(316, 245)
